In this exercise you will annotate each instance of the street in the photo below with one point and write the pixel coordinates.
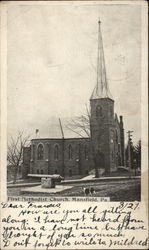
(118, 190)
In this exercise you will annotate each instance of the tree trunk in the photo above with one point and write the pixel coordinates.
(15, 174)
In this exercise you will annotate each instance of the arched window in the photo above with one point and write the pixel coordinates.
(112, 155)
(56, 152)
(111, 110)
(119, 148)
(86, 152)
(116, 136)
(112, 136)
(70, 155)
(40, 152)
(99, 111)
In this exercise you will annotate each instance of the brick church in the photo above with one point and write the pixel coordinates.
(102, 151)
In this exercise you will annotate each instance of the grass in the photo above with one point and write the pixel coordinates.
(122, 190)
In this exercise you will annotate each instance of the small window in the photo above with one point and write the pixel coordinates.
(116, 136)
(111, 110)
(99, 111)
(55, 171)
(70, 155)
(41, 171)
(37, 171)
(40, 152)
(56, 152)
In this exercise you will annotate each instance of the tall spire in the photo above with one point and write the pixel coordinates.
(101, 89)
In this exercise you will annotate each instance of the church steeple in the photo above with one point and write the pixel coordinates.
(101, 89)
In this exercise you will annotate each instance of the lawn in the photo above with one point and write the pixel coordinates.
(121, 190)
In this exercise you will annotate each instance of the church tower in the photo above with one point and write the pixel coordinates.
(102, 123)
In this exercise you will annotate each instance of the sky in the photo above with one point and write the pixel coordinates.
(51, 63)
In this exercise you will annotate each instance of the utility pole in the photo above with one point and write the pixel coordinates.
(63, 149)
(129, 150)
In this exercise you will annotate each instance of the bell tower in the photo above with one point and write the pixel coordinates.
(102, 116)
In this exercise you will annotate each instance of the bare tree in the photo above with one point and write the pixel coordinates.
(80, 125)
(15, 151)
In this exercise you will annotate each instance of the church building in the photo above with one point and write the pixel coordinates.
(103, 151)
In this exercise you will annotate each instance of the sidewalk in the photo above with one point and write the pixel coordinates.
(38, 189)
(29, 184)
(91, 178)
(86, 179)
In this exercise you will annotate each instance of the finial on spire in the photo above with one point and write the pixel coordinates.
(101, 89)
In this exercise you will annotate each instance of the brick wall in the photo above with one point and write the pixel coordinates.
(102, 132)
(104, 146)
(26, 161)
(65, 164)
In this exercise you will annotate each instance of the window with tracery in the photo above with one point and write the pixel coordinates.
(40, 152)
(70, 154)
(56, 152)
(86, 152)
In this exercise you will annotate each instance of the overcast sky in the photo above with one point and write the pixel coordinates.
(52, 55)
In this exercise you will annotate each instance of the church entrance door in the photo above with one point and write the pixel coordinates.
(99, 160)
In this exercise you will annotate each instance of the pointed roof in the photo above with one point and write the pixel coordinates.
(101, 89)
(116, 118)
